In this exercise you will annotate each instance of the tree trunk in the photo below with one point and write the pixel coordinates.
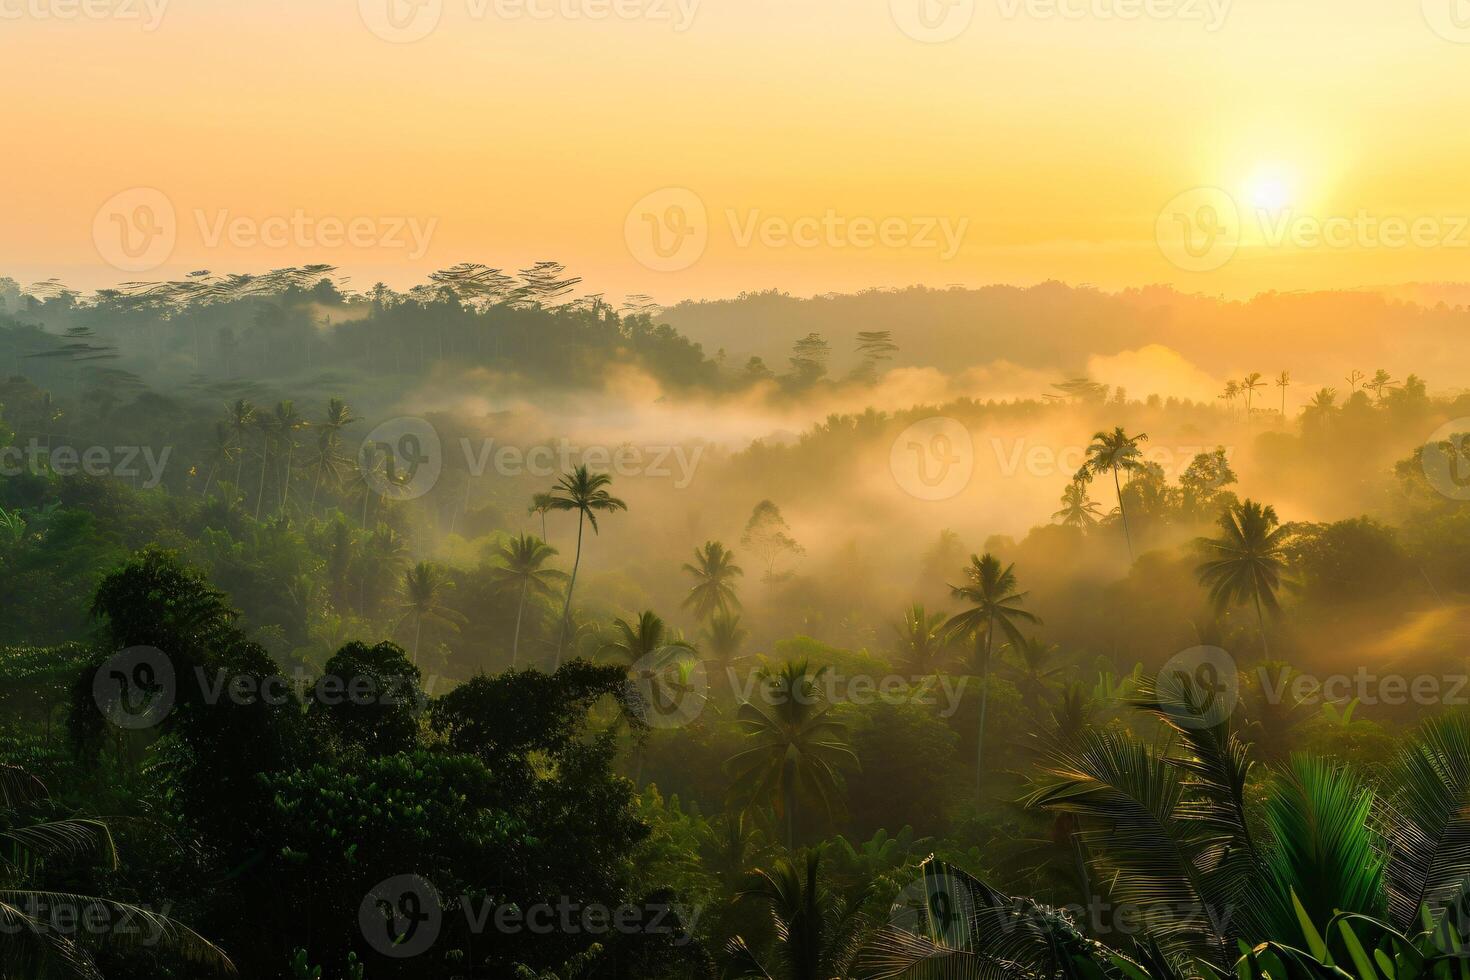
(1261, 621)
(1123, 511)
(566, 610)
(418, 627)
(260, 493)
(515, 648)
(984, 703)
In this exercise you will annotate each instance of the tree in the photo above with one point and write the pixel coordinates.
(425, 587)
(923, 641)
(1114, 451)
(328, 461)
(265, 425)
(287, 423)
(1355, 378)
(794, 748)
(1077, 510)
(540, 504)
(523, 557)
(1034, 668)
(1231, 392)
(714, 572)
(1283, 381)
(1246, 562)
(873, 346)
(222, 448)
(809, 359)
(1380, 382)
(996, 604)
(817, 929)
(240, 418)
(723, 639)
(1249, 385)
(586, 493)
(769, 536)
(659, 664)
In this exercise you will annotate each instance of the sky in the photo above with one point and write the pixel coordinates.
(698, 148)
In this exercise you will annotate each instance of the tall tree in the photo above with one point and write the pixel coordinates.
(1111, 452)
(923, 641)
(288, 422)
(1246, 562)
(769, 536)
(524, 557)
(714, 572)
(425, 589)
(1249, 385)
(1283, 381)
(586, 493)
(793, 747)
(241, 417)
(817, 929)
(991, 591)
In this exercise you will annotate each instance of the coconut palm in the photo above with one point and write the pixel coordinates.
(524, 555)
(723, 638)
(1035, 666)
(540, 504)
(924, 645)
(222, 449)
(1248, 386)
(661, 664)
(288, 422)
(1246, 562)
(818, 931)
(265, 424)
(31, 945)
(793, 748)
(714, 572)
(586, 493)
(1231, 392)
(1283, 381)
(996, 605)
(328, 460)
(1111, 452)
(240, 418)
(1077, 510)
(425, 589)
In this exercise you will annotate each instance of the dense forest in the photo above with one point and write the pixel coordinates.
(489, 629)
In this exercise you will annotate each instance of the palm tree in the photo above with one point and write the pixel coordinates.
(425, 588)
(1283, 381)
(660, 663)
(586, 493)
(287, 423)
(30, 943)
(1355, 378)
(714, 573)
(265, 424)
(1248, 385)
(1114, 451)
(1035, 668)
(923, 641)
(1380, 382)
(1232, 389)
(241, 417)
(723, 639)
(794, 748)
(1077, 510)
(523, 556)
(1245, 563)
(328, 460)
(997, 604)
(221, 450)
(818, 931)
(540, 504)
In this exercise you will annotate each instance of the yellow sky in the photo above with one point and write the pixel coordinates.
(811, 145)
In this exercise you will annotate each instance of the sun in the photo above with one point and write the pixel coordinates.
(1271, 189)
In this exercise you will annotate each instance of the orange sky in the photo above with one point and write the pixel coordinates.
(811, 145)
